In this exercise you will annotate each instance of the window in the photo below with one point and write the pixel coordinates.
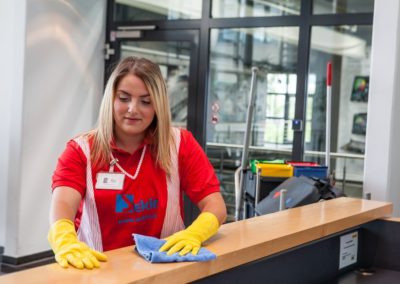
(343, 6)
(254, 8)
(290, 42)
(348, 48)
(139, 10)
(233, 53)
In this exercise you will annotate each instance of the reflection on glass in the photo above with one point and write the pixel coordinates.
(254, 8)
(138, 10)
(276, 106)
(311, 92)
(280, 108)
(348, 48)
(233, 53)
(342, 6)
(173, 58)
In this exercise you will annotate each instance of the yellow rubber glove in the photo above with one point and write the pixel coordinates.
(190, 239)
(68, 249)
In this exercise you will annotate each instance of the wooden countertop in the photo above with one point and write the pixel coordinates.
(392, 219)
(235, 244)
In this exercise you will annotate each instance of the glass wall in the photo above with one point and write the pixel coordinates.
(173, 57)
(139, 10)
(348, 48)
(251, 8)
(232, 54)
(343, 6)
(291, 43)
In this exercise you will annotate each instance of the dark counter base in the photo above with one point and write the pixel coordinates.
(318, 262)
(11, 264)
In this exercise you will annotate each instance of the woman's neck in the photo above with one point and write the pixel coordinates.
(128, 143)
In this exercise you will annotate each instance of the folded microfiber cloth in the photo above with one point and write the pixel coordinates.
(148, 248)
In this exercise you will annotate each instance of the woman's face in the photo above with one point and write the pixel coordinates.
(133, 108)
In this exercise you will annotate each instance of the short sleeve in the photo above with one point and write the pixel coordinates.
(71, 169)
(196, 174)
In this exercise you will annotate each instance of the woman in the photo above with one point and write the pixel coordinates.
(127, 176)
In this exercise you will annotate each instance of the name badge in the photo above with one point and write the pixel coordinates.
(113, 181)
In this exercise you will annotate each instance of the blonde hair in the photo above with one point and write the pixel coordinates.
(159, 129)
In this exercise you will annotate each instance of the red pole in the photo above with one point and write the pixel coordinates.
(328, 115)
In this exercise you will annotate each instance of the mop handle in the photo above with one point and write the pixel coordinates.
(249, 118)
(328, 115)
(245, 153)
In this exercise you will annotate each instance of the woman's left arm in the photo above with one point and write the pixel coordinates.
(198, 179)
(214, 203)
(213, 214)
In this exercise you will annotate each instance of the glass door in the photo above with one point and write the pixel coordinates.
(176, 53)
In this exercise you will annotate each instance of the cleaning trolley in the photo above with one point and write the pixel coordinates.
(263, 186)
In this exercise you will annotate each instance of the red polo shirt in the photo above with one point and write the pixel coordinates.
(140, 206)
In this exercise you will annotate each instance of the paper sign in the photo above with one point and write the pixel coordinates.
(348, 249)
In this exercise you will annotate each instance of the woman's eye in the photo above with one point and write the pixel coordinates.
(146, 102)
(123, 98)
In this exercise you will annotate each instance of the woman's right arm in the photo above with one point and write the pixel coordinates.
(64, 204)
(62, 235)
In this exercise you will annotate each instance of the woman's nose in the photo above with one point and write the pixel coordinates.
(132, 107)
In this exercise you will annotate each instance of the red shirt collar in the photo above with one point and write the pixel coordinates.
(148, 140)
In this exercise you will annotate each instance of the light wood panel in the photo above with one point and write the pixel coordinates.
(392, 219)
(235, 244)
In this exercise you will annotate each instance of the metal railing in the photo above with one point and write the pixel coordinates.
(284, 151)
(226, 159)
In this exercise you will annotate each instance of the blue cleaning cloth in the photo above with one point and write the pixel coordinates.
(148, 248)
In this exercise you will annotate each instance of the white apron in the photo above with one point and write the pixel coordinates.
(89, 229)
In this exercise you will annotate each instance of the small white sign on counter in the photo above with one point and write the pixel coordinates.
(348, 249)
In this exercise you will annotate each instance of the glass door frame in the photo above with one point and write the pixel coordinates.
(204, 26)
(195, 115)
(305, 21)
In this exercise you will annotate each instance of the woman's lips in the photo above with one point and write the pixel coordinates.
(132, 119)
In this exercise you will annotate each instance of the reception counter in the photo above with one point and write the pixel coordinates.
(244, 250)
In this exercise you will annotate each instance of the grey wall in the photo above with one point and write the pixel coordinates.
(55, 95)
(12, 31)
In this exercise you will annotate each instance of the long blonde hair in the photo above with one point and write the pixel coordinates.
(160, 128)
